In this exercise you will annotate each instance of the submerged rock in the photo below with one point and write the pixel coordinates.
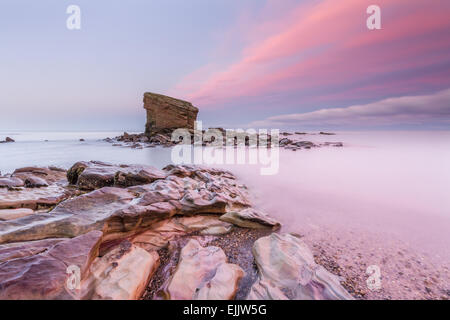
(287, 270)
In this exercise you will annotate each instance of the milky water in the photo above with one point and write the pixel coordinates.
(395, 183)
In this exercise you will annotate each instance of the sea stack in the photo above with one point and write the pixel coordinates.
(165, 114)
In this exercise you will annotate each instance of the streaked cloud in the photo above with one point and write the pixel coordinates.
(322, 53)
(410, 110)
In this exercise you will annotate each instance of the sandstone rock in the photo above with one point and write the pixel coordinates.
(166, 113)
(224, 284)
(287, 270)
(11, 182)
(123, 273)
(44, 275)
(197, 268)
(250, 218)
(125, 212)
(161, 233)
(33, 198)
(50, 175)
(94, 175)
(11, 214)
(17, 250)
(137, 175)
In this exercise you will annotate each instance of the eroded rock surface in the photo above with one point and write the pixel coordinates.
(121, 274)
(94, 175)
(41, 272)
(203, 272)
(287, 270)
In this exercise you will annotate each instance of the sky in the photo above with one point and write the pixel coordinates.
(300, 64)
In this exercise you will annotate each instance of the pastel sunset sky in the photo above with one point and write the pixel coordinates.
(303, 64)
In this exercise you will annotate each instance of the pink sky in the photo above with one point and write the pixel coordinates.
(322, 53)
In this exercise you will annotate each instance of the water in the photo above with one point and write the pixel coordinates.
(387, 182)
(63, 149)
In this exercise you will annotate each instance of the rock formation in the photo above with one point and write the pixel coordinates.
(165, 114)
(143, 232)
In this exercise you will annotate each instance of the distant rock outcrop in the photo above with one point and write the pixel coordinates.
(165, 114)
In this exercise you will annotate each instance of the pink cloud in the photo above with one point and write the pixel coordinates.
(325, 45)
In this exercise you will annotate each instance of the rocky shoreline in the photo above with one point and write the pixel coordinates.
(288, 140)
(136, 232)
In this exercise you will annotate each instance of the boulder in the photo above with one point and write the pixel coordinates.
(287, 270)
(122, 274)
(161, 233)
(165, 114)
(43, 274)
(250, 218)
(8, 139)
(94, 175)
(33, 198)
(11, 182)
(196, 271)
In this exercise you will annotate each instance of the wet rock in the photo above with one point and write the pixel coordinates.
(50, 175)
(94, 175)
(11, 182)
(224, 284)
(197, 268)
(43, 275)
(33, 198)
(287, 270)
(11, 214)
(124, 212)
(121, 274)
(161, 233)
(250, 218)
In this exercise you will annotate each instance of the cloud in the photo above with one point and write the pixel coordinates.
(411, 110)
(323, 48)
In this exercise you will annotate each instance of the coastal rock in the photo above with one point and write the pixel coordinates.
(122, 212)
(161, 233)
(123, 273)
(25, 249)
(250, 218)
(197, 269)
(165, 114)
(11, 182)
(287, 270)
(94, 175)
(43, 274)
(33, 198)
(224, 284)
(50, 175)
(11, 214)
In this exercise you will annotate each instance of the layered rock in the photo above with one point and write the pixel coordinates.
(203, 272)
(165, 114)
(287, 270)
(40, 271)
(94, 175)
(125, 237)
(121, 274)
